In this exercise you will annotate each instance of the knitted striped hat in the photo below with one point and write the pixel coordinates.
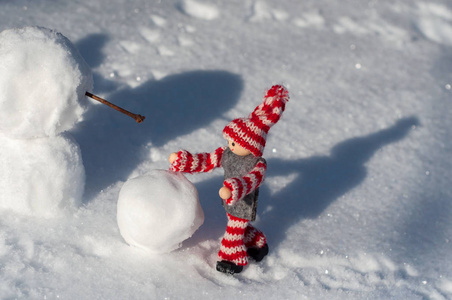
(251, 132)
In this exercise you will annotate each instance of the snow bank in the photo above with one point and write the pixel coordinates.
(40, 177)
(43, 80)
(157, 212)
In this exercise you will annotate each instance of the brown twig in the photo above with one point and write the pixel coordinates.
(137, 118)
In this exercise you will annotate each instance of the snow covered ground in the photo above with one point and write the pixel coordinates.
(357, 200)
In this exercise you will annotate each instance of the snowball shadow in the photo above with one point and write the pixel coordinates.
(113, 144)
(321, 180)
(90, 47)
(181, 103)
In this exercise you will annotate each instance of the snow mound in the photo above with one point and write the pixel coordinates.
(435, 22)
(310, 19)
(43, 80)
(158, 211)
(199, 10)
(40, 177)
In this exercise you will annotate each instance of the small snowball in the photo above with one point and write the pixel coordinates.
(40, 177)
(43, 80)
(158, 211)
(199, 10)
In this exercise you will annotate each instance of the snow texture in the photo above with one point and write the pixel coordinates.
(41, 177)
(43, 80)
(357, 200)
(158, 211)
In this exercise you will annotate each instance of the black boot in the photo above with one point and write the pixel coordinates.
(228, 267)
(257, 253)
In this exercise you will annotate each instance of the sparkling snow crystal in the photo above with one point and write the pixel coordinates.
(158, 211)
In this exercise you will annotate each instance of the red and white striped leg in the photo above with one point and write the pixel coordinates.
(254, 237)
(232, 246)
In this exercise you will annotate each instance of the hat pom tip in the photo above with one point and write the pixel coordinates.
(278, 91)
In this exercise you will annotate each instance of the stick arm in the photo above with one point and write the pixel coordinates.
(137, 118)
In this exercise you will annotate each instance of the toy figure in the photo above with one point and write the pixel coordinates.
(244, 171)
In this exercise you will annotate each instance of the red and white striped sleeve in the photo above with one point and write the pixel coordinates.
(240, 187)
(199, 162)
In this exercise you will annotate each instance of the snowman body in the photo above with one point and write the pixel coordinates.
(43, 80)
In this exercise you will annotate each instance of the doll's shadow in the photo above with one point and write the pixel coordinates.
(318, 181)
(321, 180)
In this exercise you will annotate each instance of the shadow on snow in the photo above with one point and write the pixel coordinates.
(319, 181)
(113, 144)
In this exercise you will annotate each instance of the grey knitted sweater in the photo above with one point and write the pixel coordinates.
(238, 166)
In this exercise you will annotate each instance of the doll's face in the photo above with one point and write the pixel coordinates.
(237, 149)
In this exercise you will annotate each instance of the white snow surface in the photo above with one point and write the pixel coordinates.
(158, 211)
(43, 80)
(357, 198)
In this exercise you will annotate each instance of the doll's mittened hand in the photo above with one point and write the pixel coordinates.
(172, 157)
(225, 193)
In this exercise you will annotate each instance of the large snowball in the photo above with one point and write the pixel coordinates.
(43, 80)
(158, 211)
(40, 177)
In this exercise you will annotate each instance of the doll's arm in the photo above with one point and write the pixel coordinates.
(184, 161)
(240, 187)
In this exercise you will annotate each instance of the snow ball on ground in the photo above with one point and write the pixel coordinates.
(199, 10)
(43, 80)
(40, 177)
(158, 211)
